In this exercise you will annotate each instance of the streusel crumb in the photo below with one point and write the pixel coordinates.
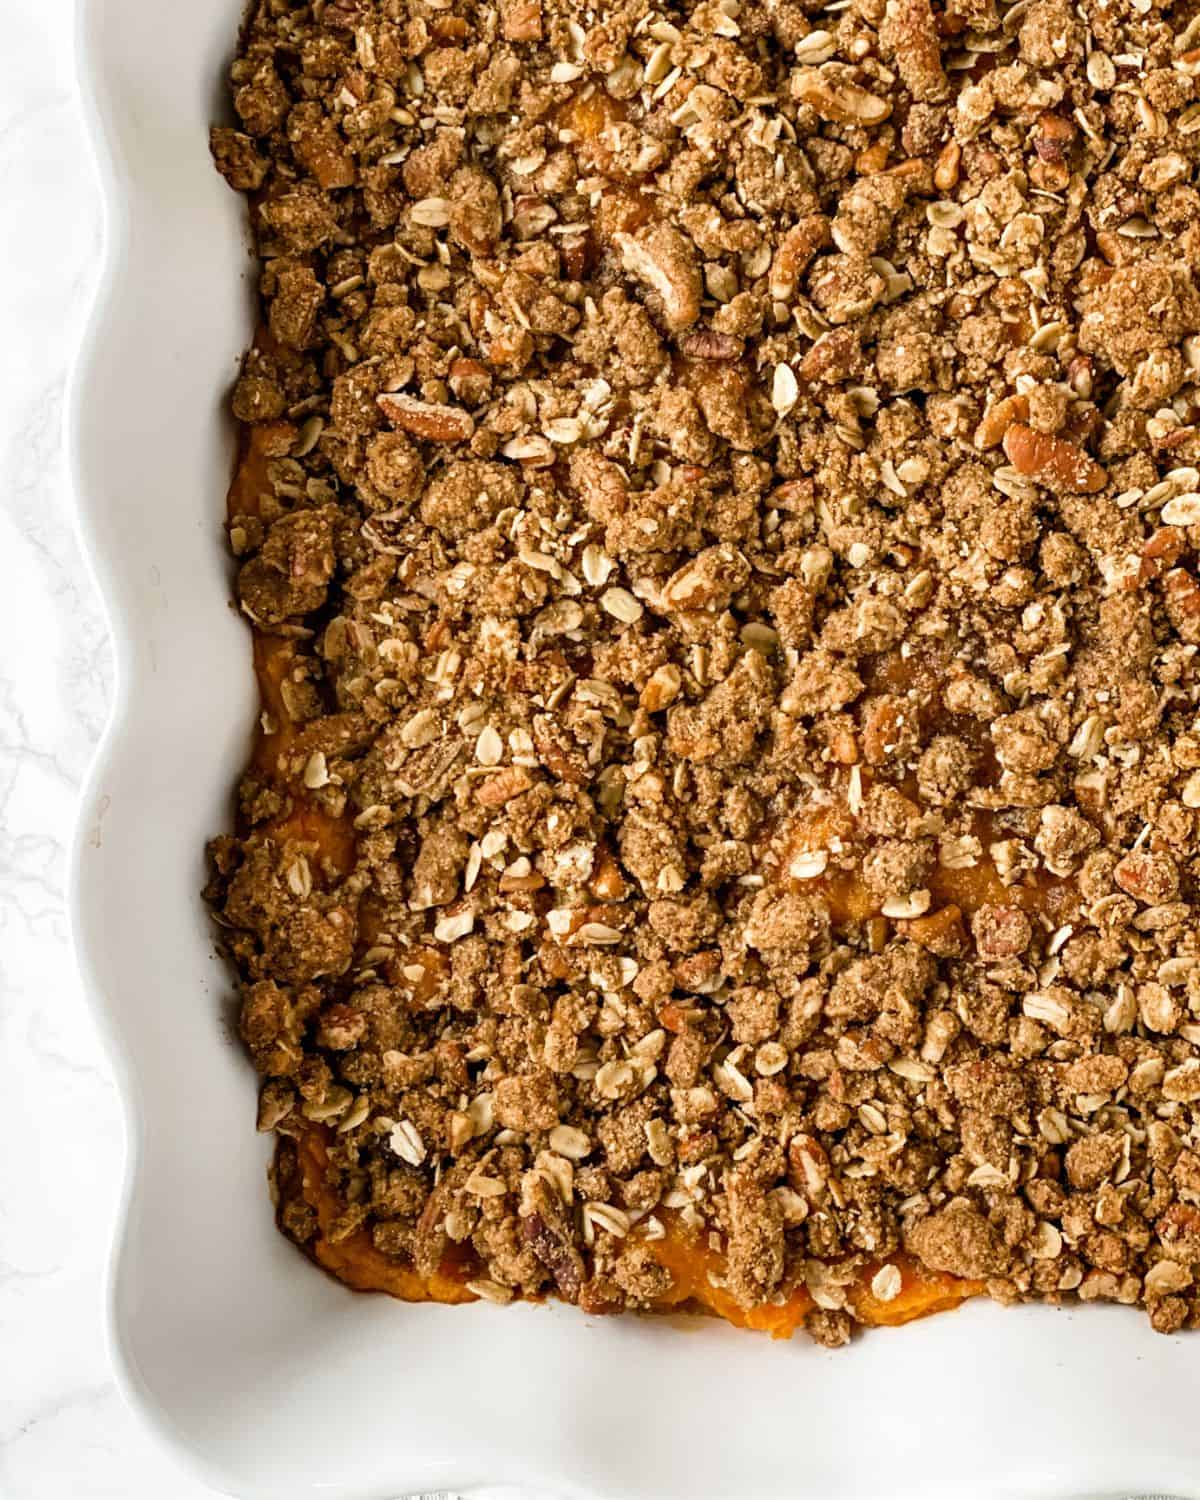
(719, 511)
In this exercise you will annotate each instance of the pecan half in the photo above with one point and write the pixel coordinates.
(425, 419)
(666, 262)
(1055, 462)
(794, 254)
(503, 786)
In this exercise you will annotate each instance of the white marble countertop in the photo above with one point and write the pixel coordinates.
(65, 1433)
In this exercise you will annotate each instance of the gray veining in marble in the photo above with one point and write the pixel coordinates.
(64, 1432)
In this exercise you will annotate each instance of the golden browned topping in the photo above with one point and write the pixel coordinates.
(720, 518)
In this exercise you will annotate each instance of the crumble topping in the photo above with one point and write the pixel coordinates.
(719, 518)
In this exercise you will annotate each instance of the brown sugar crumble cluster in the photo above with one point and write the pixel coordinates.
(719, 514)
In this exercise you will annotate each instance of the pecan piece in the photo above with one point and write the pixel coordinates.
(532, 215)
(1051, 142)
(707, 344)
(1179, 1230)
(475, 217)
(1183, 604)
(470, 381)
(576, 252)
(794, 254)
(600, 1297)
(999, 417)
(945, 171)
(666, 262)
(888, 727)
(521, 20)
(910, 32)
(1052, 461)
(1162, 551)
(426, 419)
(430, 1241)
(808, 1167)
(661, 689)
(545, 1230)
(556, 754)
(318, 146)
(503, 786)
(835, 99)
(709, 581)
(831, 358)
(607, 883)
(340, 1027)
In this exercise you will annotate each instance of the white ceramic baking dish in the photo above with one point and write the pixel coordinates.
(264, 1376)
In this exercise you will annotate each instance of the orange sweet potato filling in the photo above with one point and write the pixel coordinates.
(356, 1262)
(966, 889)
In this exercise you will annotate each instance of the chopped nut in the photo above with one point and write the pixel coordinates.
(1152, 878)
(1055, 462)
(844, 103)
(661, 689)
(450, 929)
(436, 424)
(999, 418)
(664, 260)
